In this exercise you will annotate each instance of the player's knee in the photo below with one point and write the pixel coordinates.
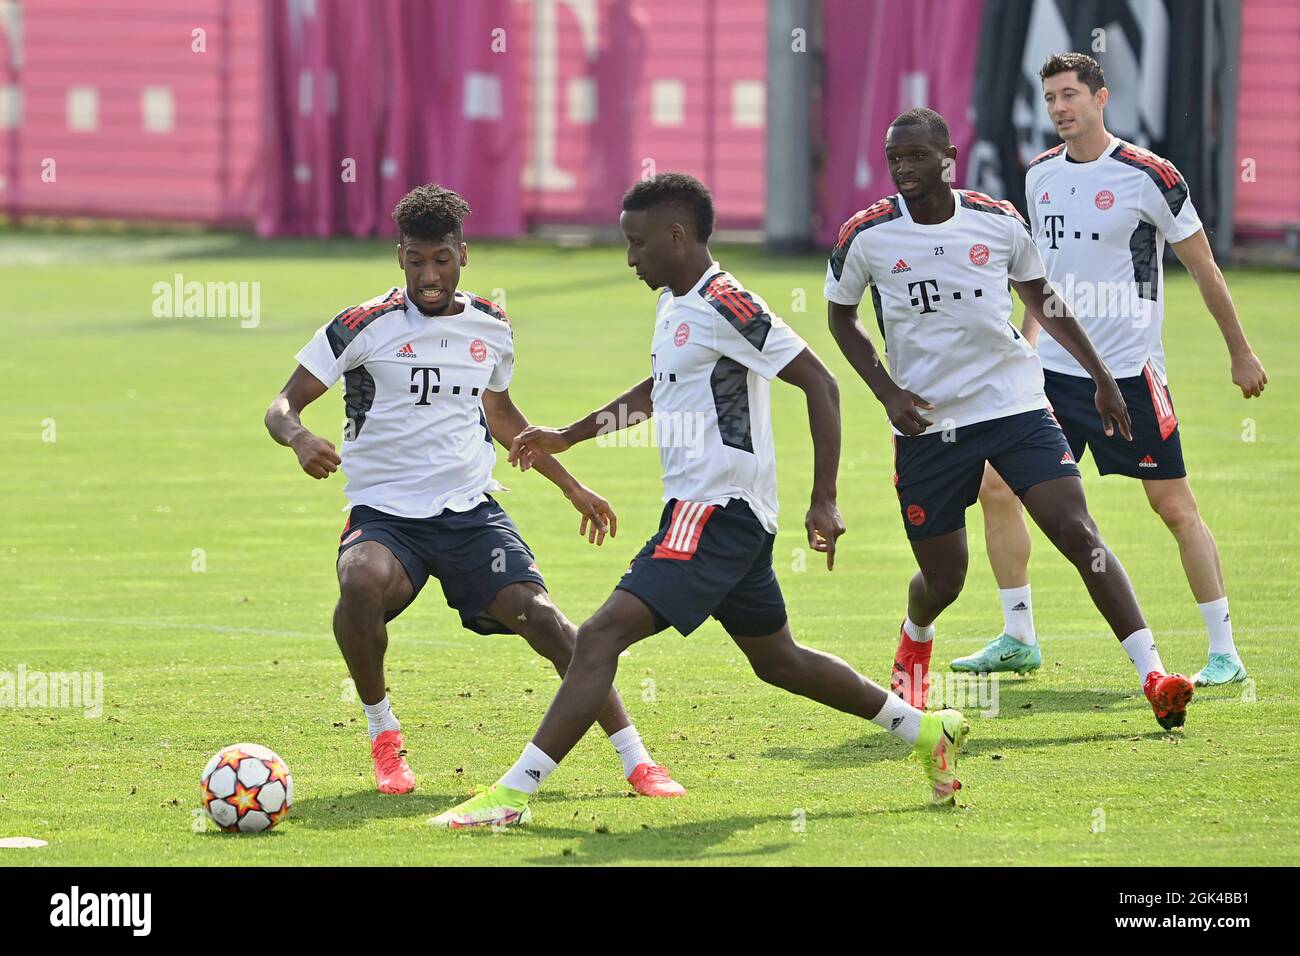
(596, 643)
(945, 585)
(774, 666)
(361, 581)
(1076, 537)
(1178, 514)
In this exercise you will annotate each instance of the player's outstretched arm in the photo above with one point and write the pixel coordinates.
(900, 404)
(317, 456)
(506, 422)
(1045, 307)
(631, 408)
(823, 523)
(1195, 253)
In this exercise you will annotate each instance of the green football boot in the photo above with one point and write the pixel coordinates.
(1220, 669)
(1003, 653)
(497, 806)
(942, 735)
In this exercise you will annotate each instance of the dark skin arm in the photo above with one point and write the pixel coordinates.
(632, 407)
(900, 404)
(823, 523)
(506, 421)
(1045, 307)
(317, 456)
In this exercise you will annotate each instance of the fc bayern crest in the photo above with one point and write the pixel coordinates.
(1105, 199)
(682, 335)
(478, 350)
(979, 254)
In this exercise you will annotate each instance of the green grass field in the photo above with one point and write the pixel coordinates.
(159, 450)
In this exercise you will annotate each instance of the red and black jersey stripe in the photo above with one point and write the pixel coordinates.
(347, 325)
(1162, 172)
(882, 210)
(998, 207)
(1045, 155)
(738, 307)
(490, 307)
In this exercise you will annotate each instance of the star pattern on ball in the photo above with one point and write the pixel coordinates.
(231, 758)
(278, 770)
(244, 798)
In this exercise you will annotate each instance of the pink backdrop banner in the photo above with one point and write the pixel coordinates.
(137, 108)
(362, 101)
(883, 59)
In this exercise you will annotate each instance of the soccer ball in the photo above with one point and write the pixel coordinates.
(246, 788)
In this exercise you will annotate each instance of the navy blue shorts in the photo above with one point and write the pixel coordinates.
(938, 480)
(1156, 450)
(709, 560)
(473, 554)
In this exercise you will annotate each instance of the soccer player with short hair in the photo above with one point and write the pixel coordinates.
(940, 265)
(1101, 211)
(426, 372)
(715, 348)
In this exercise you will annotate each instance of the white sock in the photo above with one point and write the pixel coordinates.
(380, 717)
(1219, 623)
(900, 718)
(1018, 614)
(1140, 646)
(630, 749)
(916, 632)
(529, 771)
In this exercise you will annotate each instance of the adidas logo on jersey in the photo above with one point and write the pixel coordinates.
(900, 266)
(406, 351)
(1067, 459)
(1045, 199)
(1148, 462)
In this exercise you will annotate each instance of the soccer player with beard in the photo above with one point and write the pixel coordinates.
(426, 372)
(1101, 211)
(940, 265)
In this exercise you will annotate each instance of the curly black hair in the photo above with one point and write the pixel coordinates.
(1083, 66)
(677, 189)
(430, 212)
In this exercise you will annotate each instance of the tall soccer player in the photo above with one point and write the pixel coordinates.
(426, 373)
(1101, 211)
(967, 389)
(715, 348)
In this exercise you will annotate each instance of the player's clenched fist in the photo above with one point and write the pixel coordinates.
(535, 441)
(316, 455)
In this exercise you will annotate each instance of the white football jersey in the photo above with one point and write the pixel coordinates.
(943, 303)
(1101, 228)
(714, 352)
(416, 440)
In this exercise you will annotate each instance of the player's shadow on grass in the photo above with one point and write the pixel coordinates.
(875, 748)
(346, 811)
(662, 844)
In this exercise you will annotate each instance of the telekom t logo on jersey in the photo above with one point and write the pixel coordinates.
(427, 380)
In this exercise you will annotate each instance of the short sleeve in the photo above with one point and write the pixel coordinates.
(1025, 263)
(847, 272)
(504, 370)
(333, 350)
(763, 344)
(1169, 209)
